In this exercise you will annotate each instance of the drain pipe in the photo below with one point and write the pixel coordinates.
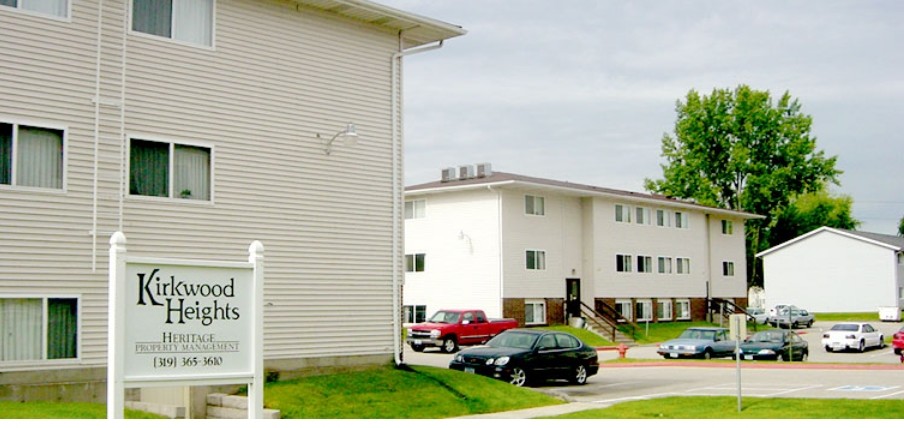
(397, 165)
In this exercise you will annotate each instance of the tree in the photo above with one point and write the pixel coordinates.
(811, 211)
(901, 227)
(737, 149)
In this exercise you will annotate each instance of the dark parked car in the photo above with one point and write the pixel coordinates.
(698, 342)
(522, 356)
(777, 344)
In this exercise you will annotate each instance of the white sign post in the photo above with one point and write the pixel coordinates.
(737, 327)
(184, 322)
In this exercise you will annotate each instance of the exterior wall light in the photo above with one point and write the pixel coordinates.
(349, 138)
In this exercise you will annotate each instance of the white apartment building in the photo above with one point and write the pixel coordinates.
(196, 127)
(519, 246)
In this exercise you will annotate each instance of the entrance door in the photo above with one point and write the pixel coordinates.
(573, 297)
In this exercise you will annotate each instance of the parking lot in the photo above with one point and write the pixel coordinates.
(874, 374)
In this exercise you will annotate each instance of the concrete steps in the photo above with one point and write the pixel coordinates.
(224, 406)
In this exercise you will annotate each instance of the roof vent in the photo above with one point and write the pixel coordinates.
(465, 172)
(448, 174)
(484, 170)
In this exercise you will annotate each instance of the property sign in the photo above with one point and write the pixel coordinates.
(184, 321)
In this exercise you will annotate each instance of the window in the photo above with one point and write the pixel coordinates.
(535, 312)
(622, 263)
(643, 215)
(31, 156)
(727, 227)
(643, 310)
(727, 268)
(536, 259)
(683, 309)
(662, 218)
(169, 170)
(623, 307)
(663, 310)
(38, 328)
(684, 266)
(622, 214)
(534, 205)
(59, 8)
(681, 220)
(415, 262)
(665, 265)
(645, 264)
(184, 20)
(415, 313)
(415, 209)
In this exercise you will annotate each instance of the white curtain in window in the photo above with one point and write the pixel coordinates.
(193, 21)
(39, 158)
(49, 7)
(20, 329)
(192, 173)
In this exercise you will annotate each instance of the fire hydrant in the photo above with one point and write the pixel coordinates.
(622, 350)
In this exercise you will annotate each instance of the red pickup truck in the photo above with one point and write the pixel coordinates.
(449, 328)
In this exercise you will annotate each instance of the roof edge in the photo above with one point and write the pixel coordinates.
(841, 232)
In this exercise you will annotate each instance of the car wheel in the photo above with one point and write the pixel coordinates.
(450, 345)
(881, 342)
(708, 354)
(809, 324)
(780, 356)
(828, 348)
(803, 357)
(519, 377)
(861, 346)
(580, 375)
(417, 348)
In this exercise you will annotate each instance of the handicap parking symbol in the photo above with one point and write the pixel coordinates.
(863, 388)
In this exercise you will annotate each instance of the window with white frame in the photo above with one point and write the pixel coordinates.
(534, 312)
(727, 268)
(31, 156)
(623, 307)
(681, 220)
(727, 227)
(42, 328)
(169, 170)
(684, 265)
(683, 309)
(645, 264)
(662, 218)
(415, 209)
(535, 259)
(623, 263)
(643, 310)
(188, 21)
(663, 309)
(642, 215)
(665, 264)
(622, 214)
(414, 313)
(57, 8)
(534, 205)
(415, 262)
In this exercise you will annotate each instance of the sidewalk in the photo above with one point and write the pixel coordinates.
(539, 412)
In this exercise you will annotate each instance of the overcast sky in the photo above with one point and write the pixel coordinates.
(583, 91)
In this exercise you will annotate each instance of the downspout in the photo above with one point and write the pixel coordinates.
(100, 9)
(397, 164)
(709, 272)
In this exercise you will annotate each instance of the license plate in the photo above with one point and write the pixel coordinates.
(417, 341)
(673, 354)
(469, 370)
(748, 357)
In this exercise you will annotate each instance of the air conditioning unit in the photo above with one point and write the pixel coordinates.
(484, 170)
(465, 172)
(448, 174)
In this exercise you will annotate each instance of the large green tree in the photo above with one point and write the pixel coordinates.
(739, 149)
(811, 211)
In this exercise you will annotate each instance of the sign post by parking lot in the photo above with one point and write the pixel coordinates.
(737, 330)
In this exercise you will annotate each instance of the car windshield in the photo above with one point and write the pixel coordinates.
(767, 336)
(513, 339)
(445, 317)
(698, 334)
(845, 327)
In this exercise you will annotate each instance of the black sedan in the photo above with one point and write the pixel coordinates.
(778, 344)
(521, 356)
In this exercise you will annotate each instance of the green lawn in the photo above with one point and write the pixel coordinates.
(846, 316)
(751, 408)
(42, 410)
